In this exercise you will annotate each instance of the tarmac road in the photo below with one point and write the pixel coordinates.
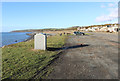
(96, 58)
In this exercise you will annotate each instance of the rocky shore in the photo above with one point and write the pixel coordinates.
(31, 36)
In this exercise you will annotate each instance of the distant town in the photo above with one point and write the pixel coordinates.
(93, 28)
(102, 28)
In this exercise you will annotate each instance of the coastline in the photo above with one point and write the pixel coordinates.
(25, 40)
(17, 62)
(30, 38)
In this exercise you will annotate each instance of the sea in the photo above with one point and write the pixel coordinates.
(7, 38)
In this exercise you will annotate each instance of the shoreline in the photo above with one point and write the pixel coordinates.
(21, 54)
(25, 40)
(31, 36)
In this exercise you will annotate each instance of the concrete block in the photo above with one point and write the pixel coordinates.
(40, 41)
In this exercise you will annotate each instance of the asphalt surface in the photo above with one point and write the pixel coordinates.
(88, 57)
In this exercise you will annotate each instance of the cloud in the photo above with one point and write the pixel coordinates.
(111, 5)
(103, 6)
(113, 13)
(103, 18)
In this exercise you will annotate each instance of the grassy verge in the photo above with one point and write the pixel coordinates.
(88, 34)
(21, 61)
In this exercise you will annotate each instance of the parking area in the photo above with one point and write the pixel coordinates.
(92, 56)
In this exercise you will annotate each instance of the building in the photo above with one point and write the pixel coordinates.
(100, 28)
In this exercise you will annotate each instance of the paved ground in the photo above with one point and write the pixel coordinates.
(96, 58)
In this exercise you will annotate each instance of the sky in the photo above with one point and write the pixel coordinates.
(40, 15)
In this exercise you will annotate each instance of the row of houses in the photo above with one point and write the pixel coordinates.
(100, 28)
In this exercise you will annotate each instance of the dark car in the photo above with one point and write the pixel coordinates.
(78, 33)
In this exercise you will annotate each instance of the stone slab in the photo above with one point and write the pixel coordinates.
(40, 41)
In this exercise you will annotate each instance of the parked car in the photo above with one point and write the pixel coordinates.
(78, 33)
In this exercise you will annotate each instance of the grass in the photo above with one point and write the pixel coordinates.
(21, 61)
(88, 34)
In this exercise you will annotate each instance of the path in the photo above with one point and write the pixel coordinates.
(97, 58)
